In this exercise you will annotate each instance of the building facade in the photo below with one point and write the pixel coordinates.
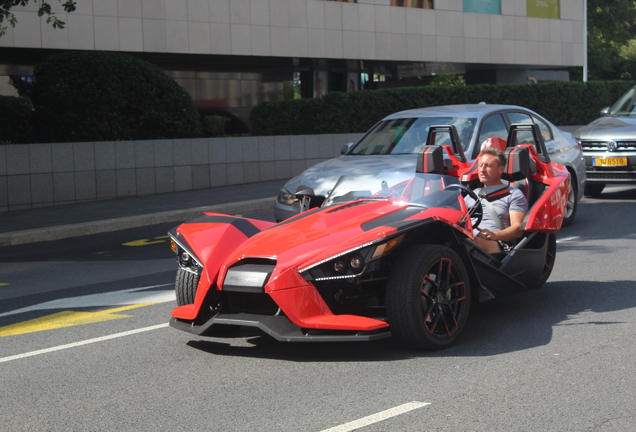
(231, 54)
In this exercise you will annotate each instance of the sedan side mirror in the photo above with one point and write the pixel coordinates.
(345, 148)
(604, 111)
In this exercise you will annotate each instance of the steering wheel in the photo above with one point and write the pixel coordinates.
(476, 211)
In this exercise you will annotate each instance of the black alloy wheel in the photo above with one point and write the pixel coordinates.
(428, 297)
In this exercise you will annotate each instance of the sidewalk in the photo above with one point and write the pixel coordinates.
(54, 223)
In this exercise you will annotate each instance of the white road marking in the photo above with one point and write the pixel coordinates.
(117, 298)
(566, 239)
(376, 418)
(85, 342)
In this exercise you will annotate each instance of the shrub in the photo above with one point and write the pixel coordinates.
(563, 103)
(15, 120)
(99, 96)
(214, 125)
(234, 127)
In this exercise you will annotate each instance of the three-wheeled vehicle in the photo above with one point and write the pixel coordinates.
(388, 253)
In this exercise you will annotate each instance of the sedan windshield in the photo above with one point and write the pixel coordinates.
(408, 135)
(626, 105)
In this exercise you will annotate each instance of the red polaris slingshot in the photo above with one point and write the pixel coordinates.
(386, 254)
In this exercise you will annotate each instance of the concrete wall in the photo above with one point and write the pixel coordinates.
(41, 175)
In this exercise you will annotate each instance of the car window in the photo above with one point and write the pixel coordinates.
(523, 137)
(546, 133)
(493, 126)
(408, 135)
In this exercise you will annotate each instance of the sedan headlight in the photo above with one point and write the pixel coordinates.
(285, 197)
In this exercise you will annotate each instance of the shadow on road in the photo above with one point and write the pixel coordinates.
(507, 325)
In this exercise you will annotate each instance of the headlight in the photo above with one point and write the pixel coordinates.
(356, 262)
(285, 197)
(351, 263)
(186, 260)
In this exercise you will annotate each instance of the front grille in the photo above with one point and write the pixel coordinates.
(602, 145)
(597, 175)
(236, 302)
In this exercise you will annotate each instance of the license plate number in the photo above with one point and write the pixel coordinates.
(609, 161)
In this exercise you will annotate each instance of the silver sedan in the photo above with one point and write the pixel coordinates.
(395, 141)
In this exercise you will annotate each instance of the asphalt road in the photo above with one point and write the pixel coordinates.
(84, 345)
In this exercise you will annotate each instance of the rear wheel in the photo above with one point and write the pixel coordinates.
(570, 210)
(428, 297)
(550, 258)
(594, 189)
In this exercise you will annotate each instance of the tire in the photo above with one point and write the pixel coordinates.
(593, 189)
(550, 258)
(186, 287)
(423, 313)
(572, 204)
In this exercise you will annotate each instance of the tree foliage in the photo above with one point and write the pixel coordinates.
(43, 9)
(610, 29)
(100, 96)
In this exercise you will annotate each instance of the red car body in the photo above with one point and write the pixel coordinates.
(369, 266)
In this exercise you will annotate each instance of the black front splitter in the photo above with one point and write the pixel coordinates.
(280, 328)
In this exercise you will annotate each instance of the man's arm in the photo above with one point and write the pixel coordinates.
(512, 232)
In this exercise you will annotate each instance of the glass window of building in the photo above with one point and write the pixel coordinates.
(422, 4)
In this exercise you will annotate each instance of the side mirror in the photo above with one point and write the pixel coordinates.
(304, 194)
(493, 193)
(303, 190)
(345, 148)
(604, 111)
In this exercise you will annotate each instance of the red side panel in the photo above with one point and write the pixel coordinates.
(305, 307)
(548, 211)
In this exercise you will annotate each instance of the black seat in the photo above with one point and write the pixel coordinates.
(430, 160)
(519, 167)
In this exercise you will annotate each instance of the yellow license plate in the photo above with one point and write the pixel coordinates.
(609, 161)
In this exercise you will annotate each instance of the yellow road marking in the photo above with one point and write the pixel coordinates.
(3, 284)
(145, 242)
(66, 319)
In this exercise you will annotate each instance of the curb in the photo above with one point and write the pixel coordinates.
(109, 225)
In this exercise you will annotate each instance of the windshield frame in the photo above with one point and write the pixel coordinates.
(400, 187)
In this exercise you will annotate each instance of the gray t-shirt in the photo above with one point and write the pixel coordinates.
(516, 201)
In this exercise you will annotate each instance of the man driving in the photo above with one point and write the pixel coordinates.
(511, 209)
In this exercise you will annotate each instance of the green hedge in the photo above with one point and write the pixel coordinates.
(15, 120)
(100, 96)
(563, 103)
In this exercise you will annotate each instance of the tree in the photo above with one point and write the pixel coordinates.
(101, 96)
(44, 9)
(610, 30)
